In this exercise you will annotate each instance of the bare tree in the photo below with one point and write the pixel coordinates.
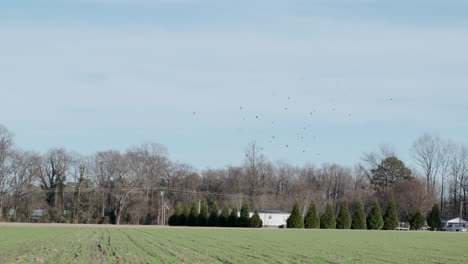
(254, 165)
(428, 153)
(6, 144)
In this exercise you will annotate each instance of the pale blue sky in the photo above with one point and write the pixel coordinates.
(92, 75)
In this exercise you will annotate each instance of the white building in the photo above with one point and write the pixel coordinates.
(448, 221)
(273, 218)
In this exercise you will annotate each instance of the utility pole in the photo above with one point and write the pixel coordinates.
(163, 217)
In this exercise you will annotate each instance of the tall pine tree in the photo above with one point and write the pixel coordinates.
(233, 217)
(391, 217)
(433, 218)
(214, 214)
(328, 220)
(344, 219)
(204, 215)
(295, 219)
(223, 217)
(416, 221)
(375, 219)
(174, 220)
(312, 218)
(359, 218)
(244, 219)
(193, 215)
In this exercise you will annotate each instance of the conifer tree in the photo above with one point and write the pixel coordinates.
(244, 219)
(182, 220)
(344, 219)
(202, 219)
(193, 215)
(416, 221)
(214, 214)
(312, 218)
(328, 220)
(295, 219)
(255, 220)
(433, 218)
(359, 218)
(391, 217)
(174, 218)
(233, 217)
(374, 219)
(223, 217)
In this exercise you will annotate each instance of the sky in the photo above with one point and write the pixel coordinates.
(309, 81)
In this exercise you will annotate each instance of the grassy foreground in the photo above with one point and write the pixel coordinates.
(177, 245)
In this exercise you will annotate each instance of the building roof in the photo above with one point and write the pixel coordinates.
(273, 212)
(446, 219)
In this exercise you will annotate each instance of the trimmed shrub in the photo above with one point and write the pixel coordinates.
(244, 219)
(328, 220)
(433, 218)
(223, 217)
(193, 215)
(344, 219)
(204, 214)
(359, 218)
(255, 220)
(374, 219)
(312, 218)
(233, 217)
(214, 214)
(391, 217)
(416, 221)
(295, 220)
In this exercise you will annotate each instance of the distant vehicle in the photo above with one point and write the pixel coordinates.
(456, 227)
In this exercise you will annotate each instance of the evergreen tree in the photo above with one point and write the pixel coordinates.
(255, 220)
(312, 218)
(193, 215)
(344, 219)
(391, 217)
(416, 221)
(359, 218)
(244, 219)
(223, 217)
(295, 220)
(233, 217)
(328, 220)
(214, 214)
(374, 219)
(433, 218)
(202, 219)
(174, 219)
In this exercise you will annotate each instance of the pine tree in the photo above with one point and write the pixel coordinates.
(433, 219)
(391, 217)
(328, 220)
(214, 214)
(312, 218)
(359, 218)
(193, 215)
(295, 220)
(374, 219)
(244, 219)
(233, 217)
(416, 221)
(204, 214)
(344, 219)
(175, 218)
(255, 220)
(223, 217)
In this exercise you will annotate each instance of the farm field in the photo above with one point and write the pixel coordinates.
(78, 244)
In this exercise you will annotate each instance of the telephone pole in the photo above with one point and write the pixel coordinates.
(163, 217)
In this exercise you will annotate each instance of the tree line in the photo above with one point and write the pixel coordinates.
(142, 185)
(210, 215)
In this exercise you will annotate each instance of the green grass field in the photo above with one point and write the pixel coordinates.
(180, 245)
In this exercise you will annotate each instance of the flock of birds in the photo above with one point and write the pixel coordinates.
(303, 134)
